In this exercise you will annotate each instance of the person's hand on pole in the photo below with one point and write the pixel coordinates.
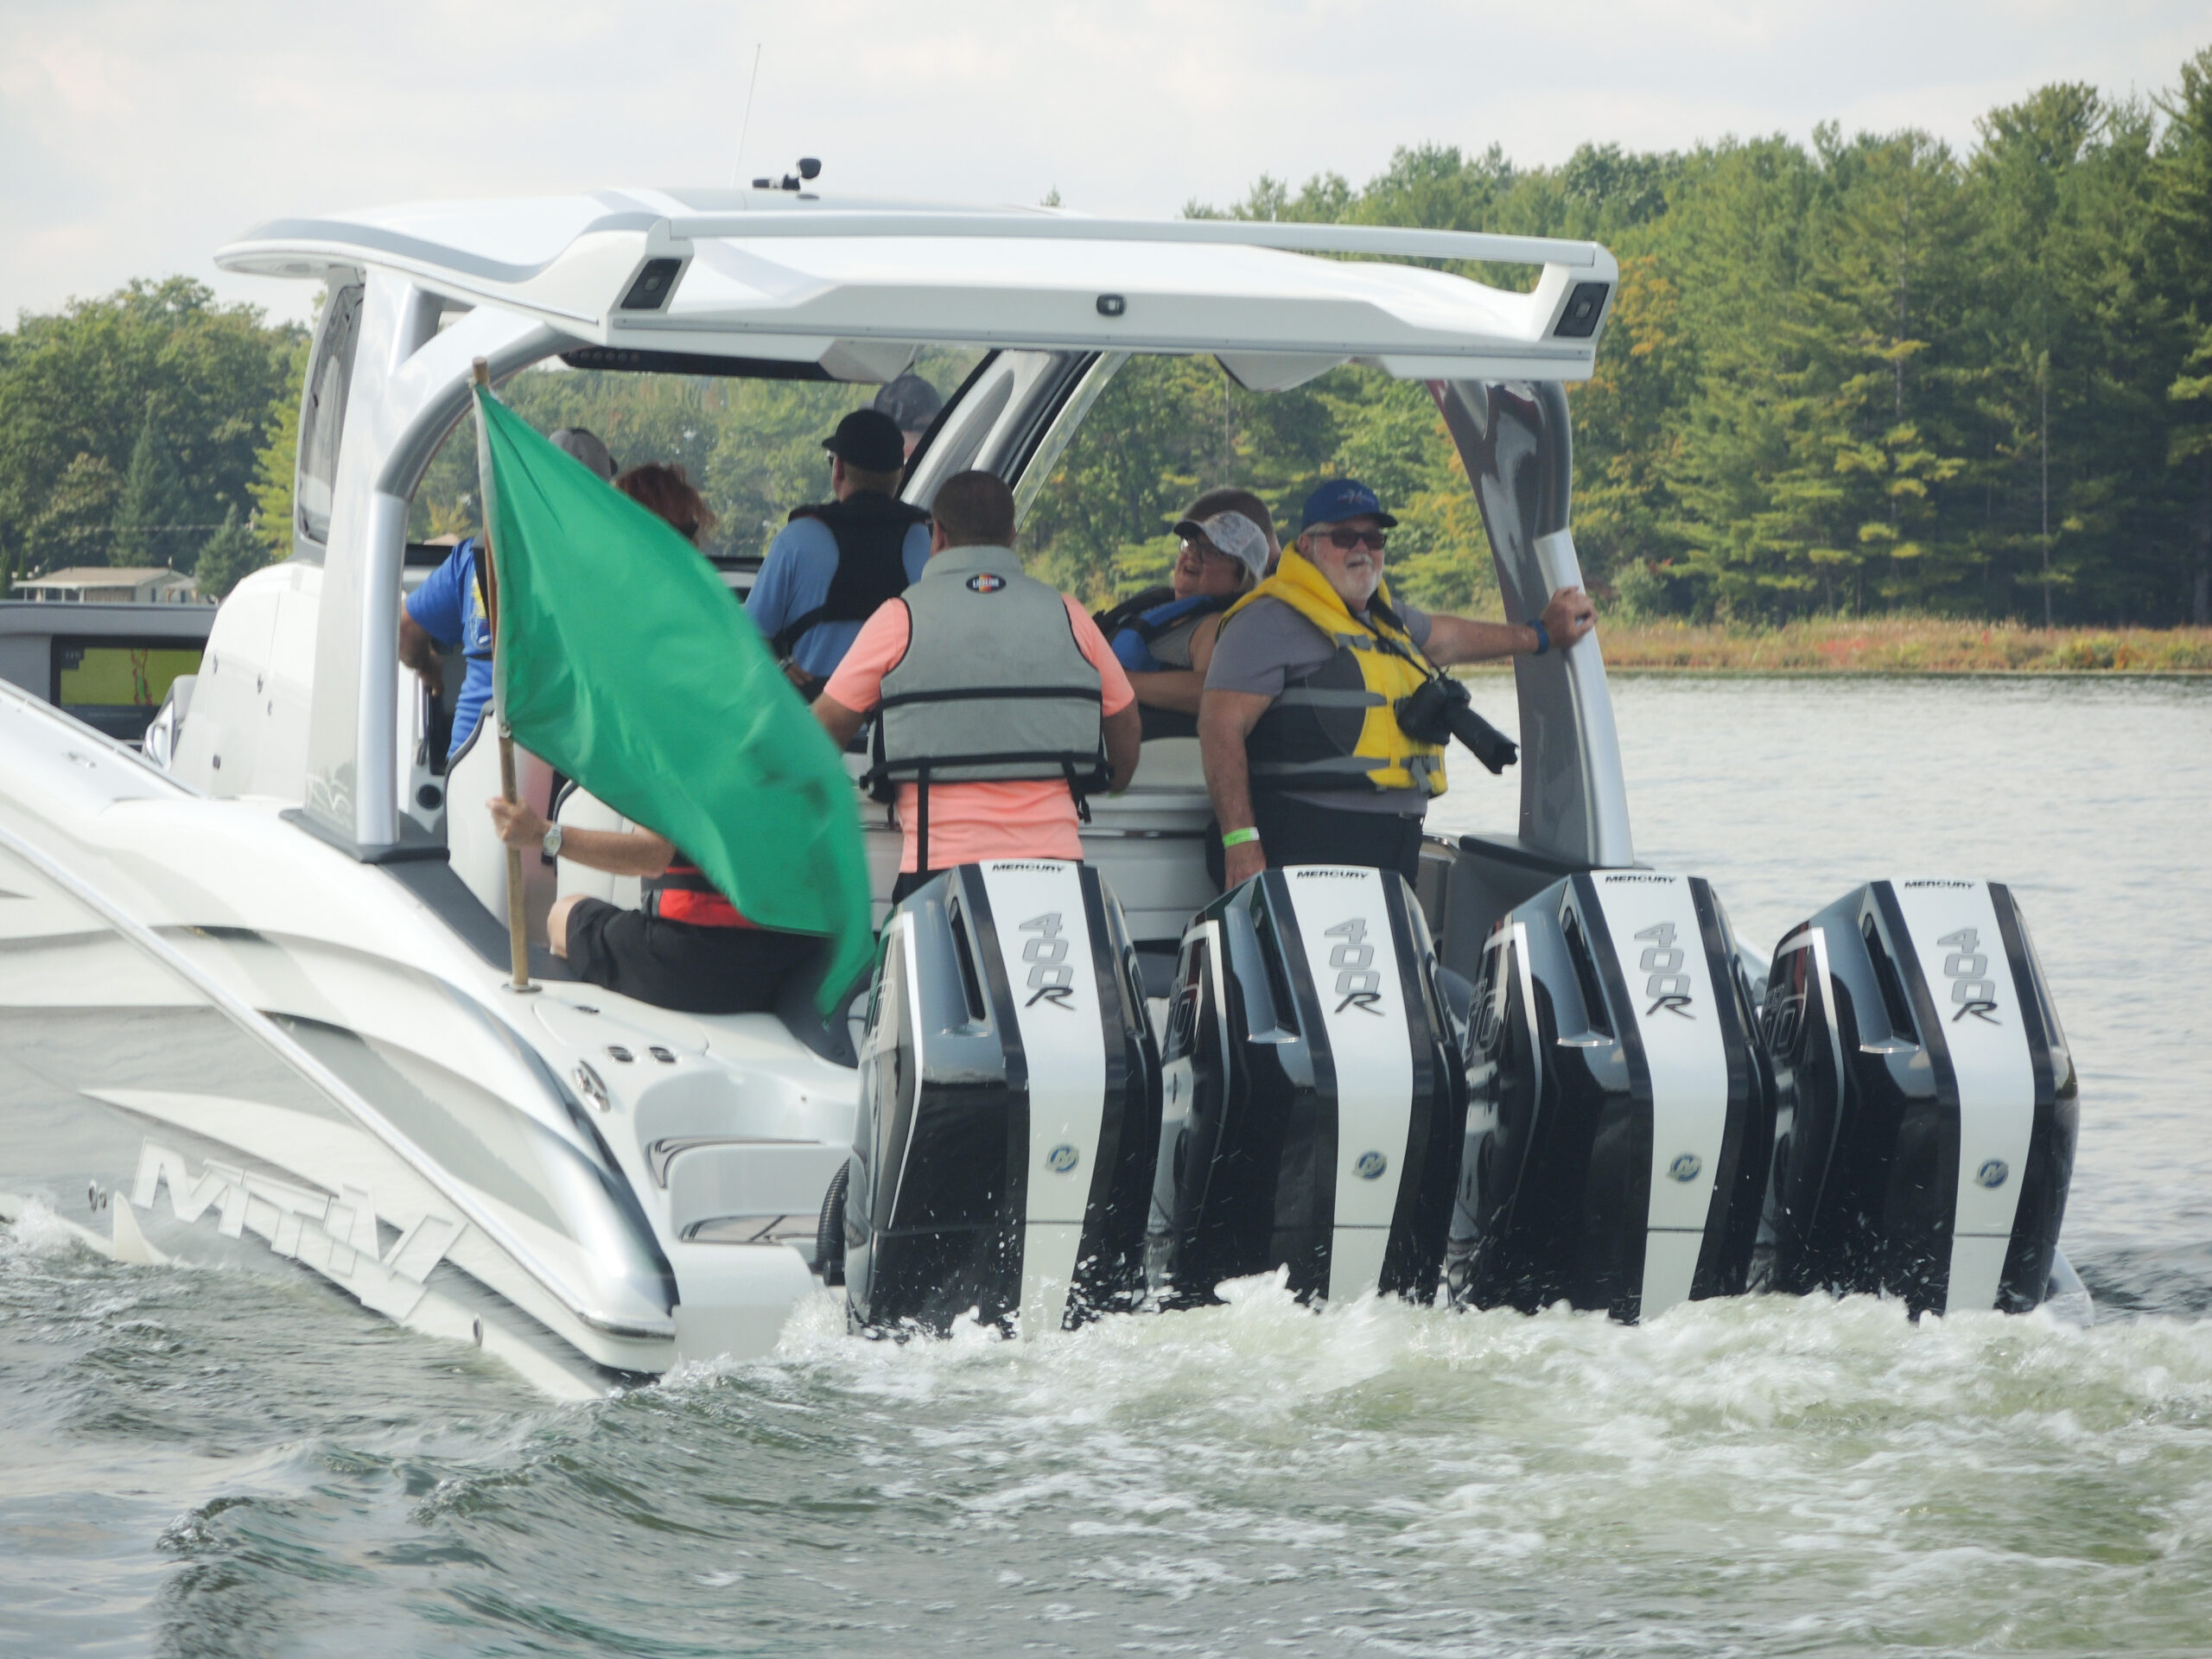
(519, 823)
(1568, 616)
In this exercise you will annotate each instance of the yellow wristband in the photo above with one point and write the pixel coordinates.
(1238, 837)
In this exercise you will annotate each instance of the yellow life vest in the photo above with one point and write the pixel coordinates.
(1336, 727)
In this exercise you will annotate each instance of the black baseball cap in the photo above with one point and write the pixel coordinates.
(869, 440)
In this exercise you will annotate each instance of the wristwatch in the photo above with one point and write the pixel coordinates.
(552, 841)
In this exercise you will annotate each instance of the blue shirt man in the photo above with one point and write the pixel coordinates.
(791, 602)
(449, 608)
(446, 612)
(795, 579)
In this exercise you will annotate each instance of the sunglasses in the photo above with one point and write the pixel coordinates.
(1345, 540)
(1209, 550)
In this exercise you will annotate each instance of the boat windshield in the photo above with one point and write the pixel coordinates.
(752, 447)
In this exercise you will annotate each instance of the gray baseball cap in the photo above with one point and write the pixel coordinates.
(584, 446)
(1232, 533)
(910, 401)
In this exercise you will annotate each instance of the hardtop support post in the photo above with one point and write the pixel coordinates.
(1516, 443)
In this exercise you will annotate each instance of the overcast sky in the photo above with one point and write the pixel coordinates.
(136, 136)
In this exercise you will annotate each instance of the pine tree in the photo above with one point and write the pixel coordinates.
(1732, 245)
(2023, 177)
(1628, 443)
(2184, 209)
(1880, 309)
(230, 555)
(72, 524)
(274, 463)
(153, 500)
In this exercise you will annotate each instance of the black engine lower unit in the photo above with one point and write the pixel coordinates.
(1314, 1093)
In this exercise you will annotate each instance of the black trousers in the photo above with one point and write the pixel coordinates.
(1298, 832)
(681, 965)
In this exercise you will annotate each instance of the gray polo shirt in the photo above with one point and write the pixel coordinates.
(1265, 644)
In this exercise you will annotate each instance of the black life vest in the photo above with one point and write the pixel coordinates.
(1167, 631)
(1122, 615)
(871, 531)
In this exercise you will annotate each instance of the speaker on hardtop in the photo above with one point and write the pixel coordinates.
(1314, 1093)
(1928, 1104)
(1009, 1106)
(1621, 1109)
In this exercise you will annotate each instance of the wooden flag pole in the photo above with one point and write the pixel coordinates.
(518, 911)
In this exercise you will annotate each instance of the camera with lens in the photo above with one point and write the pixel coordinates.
(1441, 710)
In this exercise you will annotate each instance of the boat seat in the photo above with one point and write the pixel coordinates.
(1148, 841)
(576, 808)
(882, 843)
(1166, 765)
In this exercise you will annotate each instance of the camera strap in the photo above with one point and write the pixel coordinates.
(1416, 655)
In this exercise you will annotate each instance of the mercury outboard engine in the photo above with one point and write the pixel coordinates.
(1009, 1106)
(1314, 1095)
(1622, 1110)
(1924, 1141)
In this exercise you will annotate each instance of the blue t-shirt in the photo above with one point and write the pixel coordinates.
(795, 578)
(448, 607)
(1135, 653)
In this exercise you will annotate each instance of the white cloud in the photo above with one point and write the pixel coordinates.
(135, 137)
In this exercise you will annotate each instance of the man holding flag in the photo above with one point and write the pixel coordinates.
(670, 708)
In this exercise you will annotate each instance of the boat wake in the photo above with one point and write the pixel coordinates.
(1743, 1473)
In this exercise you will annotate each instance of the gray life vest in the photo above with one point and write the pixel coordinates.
(992, 689)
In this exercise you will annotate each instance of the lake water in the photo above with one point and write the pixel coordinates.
(200, 1463)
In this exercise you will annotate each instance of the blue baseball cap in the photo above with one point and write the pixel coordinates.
(1341, 498)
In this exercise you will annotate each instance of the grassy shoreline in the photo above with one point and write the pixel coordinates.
(1902, 644)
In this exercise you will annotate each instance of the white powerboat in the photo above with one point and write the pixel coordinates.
(589, 1186)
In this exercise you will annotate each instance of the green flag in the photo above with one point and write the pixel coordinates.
(624, 660)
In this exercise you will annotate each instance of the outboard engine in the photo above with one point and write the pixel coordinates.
(1927, 1109)
(1313, 1097)
(1009, 1106)
(1622, 1110)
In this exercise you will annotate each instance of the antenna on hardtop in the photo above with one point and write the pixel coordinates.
(809, 170)
(744, 125)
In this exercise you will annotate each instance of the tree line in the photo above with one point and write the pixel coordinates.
(133, 428)
(1858, 375)
(1861, 375)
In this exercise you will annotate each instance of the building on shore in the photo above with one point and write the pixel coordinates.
(111, 585)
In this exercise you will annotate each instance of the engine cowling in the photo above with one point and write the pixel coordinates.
(1313, 1094)
(1621, 1107)
(1928, 1108)
(1009, 1106)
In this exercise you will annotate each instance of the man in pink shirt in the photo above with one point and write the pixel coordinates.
(999, 702)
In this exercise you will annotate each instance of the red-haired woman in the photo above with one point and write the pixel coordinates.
(686, 946)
